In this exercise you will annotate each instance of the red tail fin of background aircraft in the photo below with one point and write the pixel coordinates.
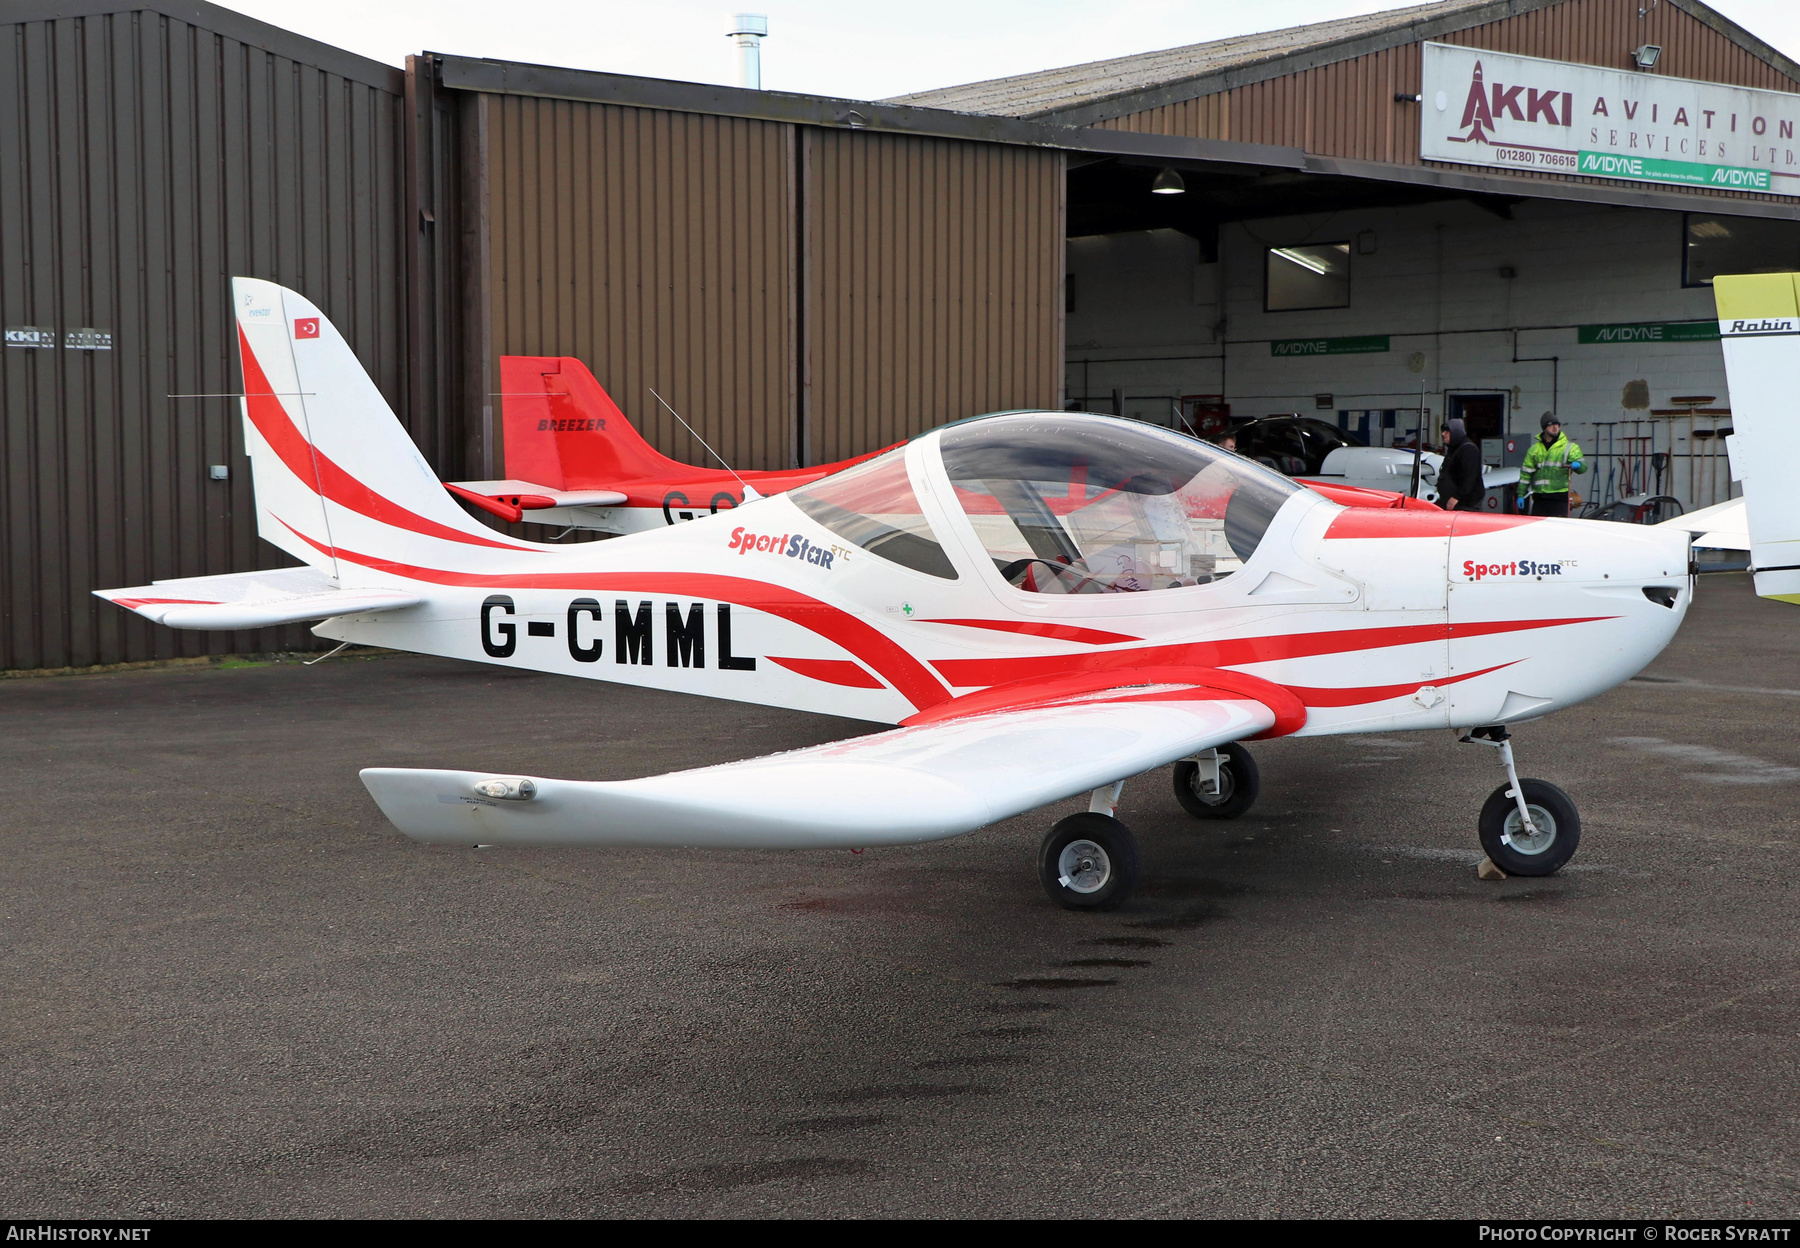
(563, 430)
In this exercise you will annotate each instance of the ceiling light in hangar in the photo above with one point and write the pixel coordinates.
(1168, 182)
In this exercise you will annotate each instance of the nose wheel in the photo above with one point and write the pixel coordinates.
(1527, 827)
(1217, 784)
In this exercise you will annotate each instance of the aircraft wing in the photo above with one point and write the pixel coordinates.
(1723, 526)
(943, 774)
(253, 599)
(1492, 478)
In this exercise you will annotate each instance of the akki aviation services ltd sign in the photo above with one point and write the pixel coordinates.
(1519, 112)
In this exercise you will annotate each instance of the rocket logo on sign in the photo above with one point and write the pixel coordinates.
(1479, 111)
(306, 327)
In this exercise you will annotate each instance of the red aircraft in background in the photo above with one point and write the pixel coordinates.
(573, 460)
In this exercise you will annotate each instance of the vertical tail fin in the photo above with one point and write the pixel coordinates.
(338, 482)
(1759, 328)
(563, 430)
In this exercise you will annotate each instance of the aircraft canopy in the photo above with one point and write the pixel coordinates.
(1069, 503)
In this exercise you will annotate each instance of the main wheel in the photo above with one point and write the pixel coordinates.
(1088, 862)
(1513, 849)
(1238, 785)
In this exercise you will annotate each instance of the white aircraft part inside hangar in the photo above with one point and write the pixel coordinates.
(1350, 221)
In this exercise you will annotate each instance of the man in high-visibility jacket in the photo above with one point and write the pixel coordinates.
(1544, 477)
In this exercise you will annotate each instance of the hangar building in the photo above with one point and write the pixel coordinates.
(1488, 208)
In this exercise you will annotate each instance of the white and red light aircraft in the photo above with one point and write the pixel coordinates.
(1043, 604)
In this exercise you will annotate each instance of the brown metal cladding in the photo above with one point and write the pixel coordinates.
(658, 248)
(1347, 108)
(144, 161)
(933, 275)
(1206, 117)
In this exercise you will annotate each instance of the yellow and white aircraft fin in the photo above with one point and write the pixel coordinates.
(1759, 328)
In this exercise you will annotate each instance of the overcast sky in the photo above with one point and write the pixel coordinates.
(829, 47)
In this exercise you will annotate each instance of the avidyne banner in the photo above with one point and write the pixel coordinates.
(1520, 112)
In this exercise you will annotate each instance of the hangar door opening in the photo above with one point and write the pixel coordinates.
(1297, 310)
(1484, 416)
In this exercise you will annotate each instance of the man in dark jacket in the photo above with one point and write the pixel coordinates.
(1459, 479)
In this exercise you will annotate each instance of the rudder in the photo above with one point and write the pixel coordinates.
(332, 467)
(563, 430)
(1759, 329)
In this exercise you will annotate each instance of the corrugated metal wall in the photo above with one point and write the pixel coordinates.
(143, 162)
(659, 248)
(933, 284)
(797, 293)
(1205, 117)
(1347, 108)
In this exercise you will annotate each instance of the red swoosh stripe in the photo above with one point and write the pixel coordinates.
(975, 673)
(1390, 522)
(1290, 712)
(906, 674)
(310, 464)
(831, 671)
(1381, 693)
(135, 603)
(1038, 628)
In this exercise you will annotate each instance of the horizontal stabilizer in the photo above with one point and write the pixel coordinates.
(253, 599)
(901, 787)
(528, 497)
(1723, 526)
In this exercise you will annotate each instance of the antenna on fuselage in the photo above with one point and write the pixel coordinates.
(748, 492)
(1412, 491)
(1182, 417)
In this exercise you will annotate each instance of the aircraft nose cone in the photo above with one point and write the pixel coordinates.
(1552, 613)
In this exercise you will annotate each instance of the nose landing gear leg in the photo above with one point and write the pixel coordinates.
(1217, 784)
(1527, 827)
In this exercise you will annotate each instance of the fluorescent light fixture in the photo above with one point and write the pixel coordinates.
(1168, 182)
(1645, 55)
(1302, 259)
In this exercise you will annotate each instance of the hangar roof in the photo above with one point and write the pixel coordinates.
(219, 20)
(1083, 94)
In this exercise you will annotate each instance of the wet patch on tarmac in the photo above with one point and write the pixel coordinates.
(833, 1122)
(1193, 916)
(904, 1092)
(974, 1062)
(1003, 1033)
(727, 1175)
(1021, 1007)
